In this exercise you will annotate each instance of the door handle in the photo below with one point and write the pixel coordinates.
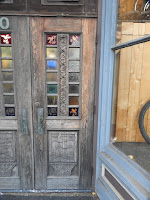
(24, 121)
(40, 121)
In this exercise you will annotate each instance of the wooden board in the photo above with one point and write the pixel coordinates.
(133, 83)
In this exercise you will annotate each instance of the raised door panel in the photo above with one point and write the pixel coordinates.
(15, 105)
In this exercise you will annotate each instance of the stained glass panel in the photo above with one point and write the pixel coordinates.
(8, 88)
(51, 39)
(6, 64)
(6, 52)
(73, 77)
(52, 100)
(9, 111)
(74, 40)
(74, 66)
(52, 111)
(52, 77)
(73, 111)
(5, 38)
(73, 100)
(51, 53)
(74, 89)
(52, 64)
(7, 76)
(74, 53)
(51, 89)
(9, 99)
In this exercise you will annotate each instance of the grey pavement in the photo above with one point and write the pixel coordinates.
(50, 196)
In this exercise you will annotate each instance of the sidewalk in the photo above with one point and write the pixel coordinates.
(49, 196)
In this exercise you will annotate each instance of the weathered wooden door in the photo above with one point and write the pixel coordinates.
(51, 132)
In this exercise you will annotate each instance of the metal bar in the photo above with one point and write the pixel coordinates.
(131, 43)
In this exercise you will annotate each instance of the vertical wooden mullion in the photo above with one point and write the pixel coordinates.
(1, 90)
(62, 73)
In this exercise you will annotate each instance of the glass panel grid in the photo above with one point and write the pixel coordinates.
(6, 63)
(53, 48)
(51, 74)
(74, 74)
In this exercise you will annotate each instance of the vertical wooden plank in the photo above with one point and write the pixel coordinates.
(88, 77)
(123, 90)
(145, 83)
(147, 28)
(38, 96)
(134, 92)
(22, 82)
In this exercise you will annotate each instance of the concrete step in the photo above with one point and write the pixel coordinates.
(48, 196)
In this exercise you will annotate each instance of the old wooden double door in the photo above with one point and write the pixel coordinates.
(47, 75)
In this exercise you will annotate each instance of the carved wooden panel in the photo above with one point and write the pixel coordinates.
(62, 39)
(7, 146)
(63, 146)
(7, 153)
(62, 152)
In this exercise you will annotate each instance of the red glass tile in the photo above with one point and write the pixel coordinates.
(5, 38)
(51, 39)
(74, 40)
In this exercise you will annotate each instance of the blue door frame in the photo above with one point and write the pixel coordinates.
(129, 175)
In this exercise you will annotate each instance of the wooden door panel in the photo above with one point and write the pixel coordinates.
(16, 167)
(63, 153)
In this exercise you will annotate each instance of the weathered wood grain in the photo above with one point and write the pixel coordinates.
(88, 83)
(63, 182)
(55, 8)
(10, 183)
(22, 83)
(63, 124)
(62, 24)
(38, 95)
(7, 124)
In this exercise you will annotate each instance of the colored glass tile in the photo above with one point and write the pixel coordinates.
(74, 40)
(73, 111)
(6, 64)
(74, 66)
(8, 99)
(51, 53)
(73, 100)
(7, 76)
(52, 100)
(52, 111)
(5, 38)
(73, 77)
(74, 89)
(9, 111)
(6, 52)
(74, 53)
(52, 64)
(8, 88)
(51, 39)
(51, 89)
(51, 76)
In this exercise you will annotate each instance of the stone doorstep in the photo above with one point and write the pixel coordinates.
(48, 196)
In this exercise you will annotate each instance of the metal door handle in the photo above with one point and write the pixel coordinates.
(24, 121)
(40, 121)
